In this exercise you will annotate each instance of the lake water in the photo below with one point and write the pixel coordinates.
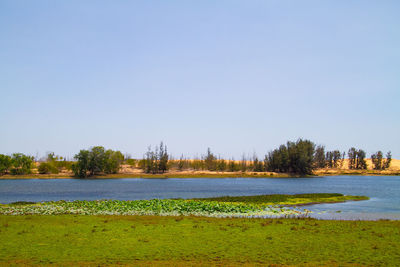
(384, 191)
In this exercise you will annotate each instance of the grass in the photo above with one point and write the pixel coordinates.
(262, 205)
(195, 241)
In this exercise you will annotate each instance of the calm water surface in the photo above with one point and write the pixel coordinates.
(384, 191)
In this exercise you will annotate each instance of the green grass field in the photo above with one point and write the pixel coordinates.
(197, 241)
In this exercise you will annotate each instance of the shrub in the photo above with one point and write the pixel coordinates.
(46, 168)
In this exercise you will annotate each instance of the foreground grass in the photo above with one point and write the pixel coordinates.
(159, 241)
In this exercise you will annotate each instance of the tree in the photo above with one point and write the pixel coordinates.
(5, 164)
(336, 158)
(352, 154)
(357, 159)
(257, 165)
(388, 160)
(97, 160)
(21, 164)
(301, 156)
(361, 163)
(319, 158)
(210, 161)
(113, 160)
(377, 160)
(156, 161)
(243, 163)
(181, 163)
(81, 167)
(221, 165)
(329, 159)
(278, 160)
(294, 157)
(232, 166)
(163, 158)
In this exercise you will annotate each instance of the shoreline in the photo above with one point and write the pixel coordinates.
(216, 175)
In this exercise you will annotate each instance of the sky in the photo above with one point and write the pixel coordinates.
(235, 76)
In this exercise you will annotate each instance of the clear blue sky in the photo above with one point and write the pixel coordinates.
(236, 76)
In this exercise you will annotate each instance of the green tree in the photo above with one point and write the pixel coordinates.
(329, 159)
(294, 157)
(81, 167)
(232, 166)
(156, 161)
(210, 161)
(5, 164)
(301, 156)
(257, 165)
(243, 163)
(377, 160)
(336, 158)
(360, 162)
(21, 164)
(163, 158)
(388, 160)
(181, 163)
(319, 158)
(352, 155)
(221, 165)
(97, 160)
(113, 161)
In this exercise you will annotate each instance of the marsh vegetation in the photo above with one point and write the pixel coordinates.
(262, 205)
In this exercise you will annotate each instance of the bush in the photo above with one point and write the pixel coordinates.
(46, 168)
(131, 162)
(21, 164)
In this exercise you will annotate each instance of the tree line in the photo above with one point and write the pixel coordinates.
(297, 157)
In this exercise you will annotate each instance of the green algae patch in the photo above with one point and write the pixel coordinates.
(76, 240)
(289, 200)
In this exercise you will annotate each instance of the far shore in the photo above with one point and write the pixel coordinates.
(208, 174)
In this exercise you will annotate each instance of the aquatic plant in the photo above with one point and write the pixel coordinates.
(149, 207)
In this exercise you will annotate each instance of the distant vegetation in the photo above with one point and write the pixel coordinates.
(54, 164)
(16, 164)
(97, 160)
(301, 157)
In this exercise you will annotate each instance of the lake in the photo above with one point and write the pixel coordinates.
(384, 191)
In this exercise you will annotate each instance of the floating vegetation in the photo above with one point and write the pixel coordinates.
(151, 207)
(273, 206)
